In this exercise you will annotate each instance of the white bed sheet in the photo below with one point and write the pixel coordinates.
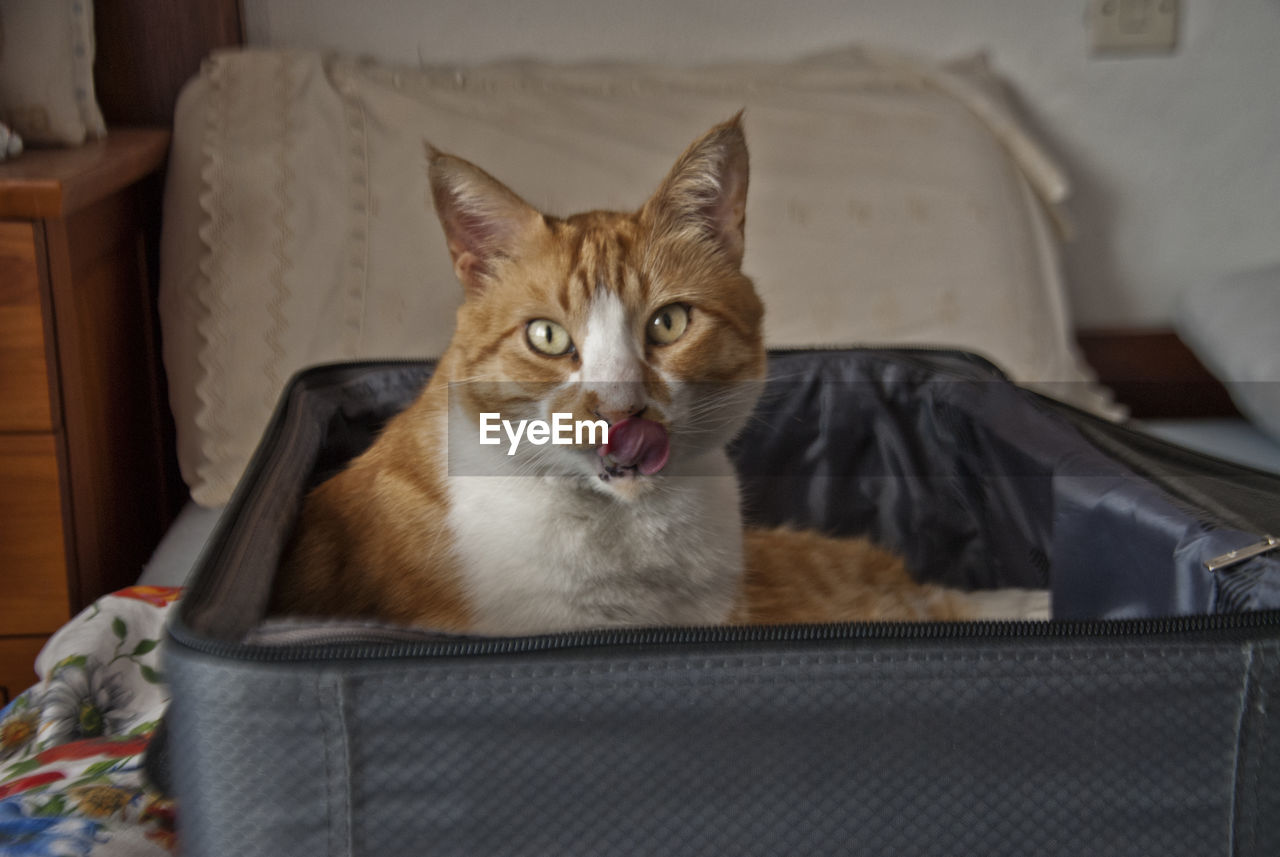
(176, 555)
(1235, 439)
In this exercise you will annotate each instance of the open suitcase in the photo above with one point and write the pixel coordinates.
(1138, 722)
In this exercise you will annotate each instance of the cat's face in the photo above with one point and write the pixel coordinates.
(644, 320)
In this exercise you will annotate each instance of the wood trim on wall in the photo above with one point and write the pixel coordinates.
(1154, 373)
(147, 50)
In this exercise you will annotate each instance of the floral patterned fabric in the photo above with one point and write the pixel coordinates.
(71, 747)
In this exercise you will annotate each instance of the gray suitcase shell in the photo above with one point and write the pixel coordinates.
(1141, 724)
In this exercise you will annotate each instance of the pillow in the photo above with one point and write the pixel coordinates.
(891, 202)
(1231, 326)
(46, 71)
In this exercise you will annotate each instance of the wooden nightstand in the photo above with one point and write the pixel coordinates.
(85, 484)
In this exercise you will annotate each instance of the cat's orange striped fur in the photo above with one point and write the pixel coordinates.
(646, 320)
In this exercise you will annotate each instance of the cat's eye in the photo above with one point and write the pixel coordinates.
(547, 337)
(668, 324)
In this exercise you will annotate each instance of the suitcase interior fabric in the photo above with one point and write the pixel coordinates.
(1121, 732)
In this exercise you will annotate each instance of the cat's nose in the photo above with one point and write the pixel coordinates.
(617, 415)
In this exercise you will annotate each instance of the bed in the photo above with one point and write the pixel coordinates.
(292, 237)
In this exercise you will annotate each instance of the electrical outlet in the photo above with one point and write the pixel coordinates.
(1133, 26)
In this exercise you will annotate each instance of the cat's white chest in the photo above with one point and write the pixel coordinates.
(542, 554)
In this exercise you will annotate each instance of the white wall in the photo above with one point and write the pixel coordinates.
(1175, 159)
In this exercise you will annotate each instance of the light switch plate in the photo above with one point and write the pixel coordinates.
(1119, 27)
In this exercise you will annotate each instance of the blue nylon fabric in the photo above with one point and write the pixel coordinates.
(978, 485)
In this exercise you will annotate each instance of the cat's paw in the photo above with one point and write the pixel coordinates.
(1027, 604)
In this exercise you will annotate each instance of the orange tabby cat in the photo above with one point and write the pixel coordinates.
(643, 320)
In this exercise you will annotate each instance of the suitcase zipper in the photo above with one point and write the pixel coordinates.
(362, 643)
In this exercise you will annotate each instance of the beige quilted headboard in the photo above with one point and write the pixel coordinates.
(892, 201)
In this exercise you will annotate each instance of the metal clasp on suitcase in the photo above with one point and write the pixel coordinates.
(1239, 555)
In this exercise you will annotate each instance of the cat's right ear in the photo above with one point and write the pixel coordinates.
(483, 220)
(705, 194)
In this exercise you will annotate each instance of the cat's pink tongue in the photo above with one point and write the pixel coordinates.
(637, 442)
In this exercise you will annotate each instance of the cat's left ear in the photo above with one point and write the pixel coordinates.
(705, 194)
(483, 220)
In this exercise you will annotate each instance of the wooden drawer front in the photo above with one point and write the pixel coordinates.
(33, 571)
(24, 379)
(17, 664)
